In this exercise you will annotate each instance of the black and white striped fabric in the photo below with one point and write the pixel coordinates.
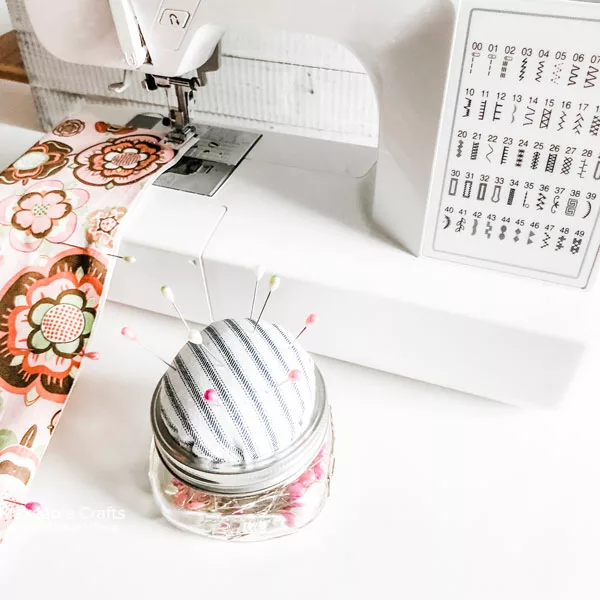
(254, 415)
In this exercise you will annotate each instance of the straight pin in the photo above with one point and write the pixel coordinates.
(259, 272)
(32, 507)
(167, 292)
(128, 333)
(274, 283)
(127, 259)
(312, 319)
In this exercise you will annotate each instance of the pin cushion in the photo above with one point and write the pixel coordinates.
(243, 444)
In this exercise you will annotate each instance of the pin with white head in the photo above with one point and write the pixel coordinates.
(274, 283)
(32, 507)
(311, 320)
(167, 292)
(197, 338)
(259, 272)
(129, 334)
(127, 259)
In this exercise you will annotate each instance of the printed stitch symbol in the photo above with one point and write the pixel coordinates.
(546, 240)
(502, 235)
(474, 229)
(571, 208)
(496, 194)
(488, 230)
(588, 211)
(459, 150)
(497, 111)
(467, 107)
(517, 234)
(551, 163)
(583, 168)
(540, 71)
(545, 120)
(487, 156)
(541, 201)
(504, 157)
(504, 68)
(491, 57)
(460, 225)
(557, 72)
(482, 108)
(529, 115)
(595, 126)
(566, 166)
(453, 186)
(520, 157)
(473, 62)
(535, 161)
(467, 189)
(525, 205)
(574, 74)
(561, 122)
(554, 207)
(447, 222)
(523, 68)
(511, 196)
(590, 78)
(482, 191)
(474, 150)
(597, 171)
(560, 243)
(514, 112)
(578, 124)
(530, 237)
(576, 245)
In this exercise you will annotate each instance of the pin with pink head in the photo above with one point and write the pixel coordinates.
(210, 395)
(293, 376)
(91, 355)
(130, 334)
(32, 507)
(311, 320)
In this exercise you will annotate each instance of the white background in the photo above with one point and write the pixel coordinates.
(436, 496)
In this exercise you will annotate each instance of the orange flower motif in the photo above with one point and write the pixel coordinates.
(46, 318)
(122, 161)
(40, 161)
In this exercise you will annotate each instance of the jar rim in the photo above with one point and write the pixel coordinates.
(248, 477)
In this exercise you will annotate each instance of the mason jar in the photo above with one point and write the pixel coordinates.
(249, 501)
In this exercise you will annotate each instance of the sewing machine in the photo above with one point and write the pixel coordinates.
(349, 230)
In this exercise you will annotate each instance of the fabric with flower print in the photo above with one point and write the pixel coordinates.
(61, 207)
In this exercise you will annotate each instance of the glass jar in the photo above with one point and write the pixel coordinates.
(253, 501)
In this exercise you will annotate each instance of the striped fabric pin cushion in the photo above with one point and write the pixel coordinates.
(258, 409)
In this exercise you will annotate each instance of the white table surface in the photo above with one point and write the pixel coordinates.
(437, 495)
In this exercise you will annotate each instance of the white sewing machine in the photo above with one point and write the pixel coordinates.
(319, 213)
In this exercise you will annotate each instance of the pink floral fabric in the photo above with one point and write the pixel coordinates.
(61, 208)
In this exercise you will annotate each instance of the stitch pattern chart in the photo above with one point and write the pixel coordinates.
(519, 173)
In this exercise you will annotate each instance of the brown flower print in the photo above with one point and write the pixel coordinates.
(103, 225)
(102, 127)
(69, 128)
(40, 161)
(122, 161)
(46, 318)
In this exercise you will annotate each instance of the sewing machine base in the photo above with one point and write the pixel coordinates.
(297, 206)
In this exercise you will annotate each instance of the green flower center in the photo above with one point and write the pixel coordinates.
(39, 210)
(63, 323)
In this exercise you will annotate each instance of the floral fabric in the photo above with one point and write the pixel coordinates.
(62, 205)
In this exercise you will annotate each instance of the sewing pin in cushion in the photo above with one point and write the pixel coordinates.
(274, 283)
(259, 272)
(129, 334)
(197, 338)
(293, 376)
(32, 507)
(312, 319)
